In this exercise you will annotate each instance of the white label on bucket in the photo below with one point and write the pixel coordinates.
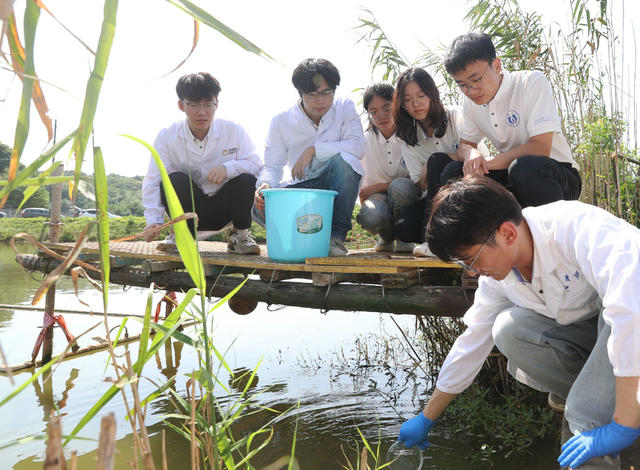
(310, 223)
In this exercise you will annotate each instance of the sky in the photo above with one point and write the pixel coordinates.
(153, 36)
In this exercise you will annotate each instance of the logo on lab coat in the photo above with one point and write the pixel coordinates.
(513, 118)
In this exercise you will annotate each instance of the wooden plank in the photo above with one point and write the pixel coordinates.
(372, 258)
(216, 253)
(159, 266)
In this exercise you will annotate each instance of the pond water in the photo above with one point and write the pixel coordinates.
(347, 371)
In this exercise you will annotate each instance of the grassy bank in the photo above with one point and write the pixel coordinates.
(124, 226)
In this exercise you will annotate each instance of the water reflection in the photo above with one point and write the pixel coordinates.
(327, 376)
(45, 397)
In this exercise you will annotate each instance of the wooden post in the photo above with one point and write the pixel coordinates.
(54, 457)
(107, 443)
(54, 235)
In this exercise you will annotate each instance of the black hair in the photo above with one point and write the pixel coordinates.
(382, 89)
(406, 126)
(306, 74)
(467, 212)
(197, 87)
(469, 48)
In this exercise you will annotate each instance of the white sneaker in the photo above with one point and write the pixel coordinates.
(403, 247)
(242, 242)
(168, 244)
(422, 250)
(337, 248)
(381, 245)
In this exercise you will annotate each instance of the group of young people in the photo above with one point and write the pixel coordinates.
(559, 279)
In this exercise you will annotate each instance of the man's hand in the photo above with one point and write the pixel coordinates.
(365, 193)
(217, 174)
(303, 162)
(151, 232)
(415, 431)
(258, 198)
(608, 439)
(476, 164)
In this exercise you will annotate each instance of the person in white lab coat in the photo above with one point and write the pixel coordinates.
(558, 295)
(213, 161)
(319, 140)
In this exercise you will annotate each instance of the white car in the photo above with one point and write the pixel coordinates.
(92, 213)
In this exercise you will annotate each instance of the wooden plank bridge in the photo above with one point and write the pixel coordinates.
(363, 280)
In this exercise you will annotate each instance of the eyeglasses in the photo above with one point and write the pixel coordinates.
(314, 95)
(385, 111)
(206, 105)
(475, 82)
(469, 267)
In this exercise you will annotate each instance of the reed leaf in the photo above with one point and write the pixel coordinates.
(206, 18)
(18, 59)
(100, 183)
(94, 84)
(146, 332)
(34, 167)
(170, 323)
(103, 400)
(35, 183)
(196, 35)
(44, 7)
(31, 16)
(187, 246)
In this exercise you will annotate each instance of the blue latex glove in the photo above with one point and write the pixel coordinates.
(608, 439)
(415, 431)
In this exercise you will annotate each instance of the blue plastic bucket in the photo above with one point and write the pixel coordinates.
(298, 222)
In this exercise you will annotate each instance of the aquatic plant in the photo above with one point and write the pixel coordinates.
(208, 425)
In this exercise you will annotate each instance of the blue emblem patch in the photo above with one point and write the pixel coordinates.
(513, 118)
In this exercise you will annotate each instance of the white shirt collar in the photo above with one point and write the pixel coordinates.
(505, 86)
(185, 130)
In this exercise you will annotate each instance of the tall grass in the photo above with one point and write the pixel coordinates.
(204, 422)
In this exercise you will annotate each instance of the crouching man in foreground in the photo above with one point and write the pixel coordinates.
(559, 295)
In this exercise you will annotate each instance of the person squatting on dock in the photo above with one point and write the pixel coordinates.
(429, 133)
(383, 164)
(558, 295)
(213, 160)
(320, 140)
(516, 111)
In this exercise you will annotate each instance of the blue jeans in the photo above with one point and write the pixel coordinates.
(570, 360)
(336, 175)
(375, 216)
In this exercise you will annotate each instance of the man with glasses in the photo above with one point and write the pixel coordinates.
(212, 165)
(558, 295)
(516, 111)
(320, 141)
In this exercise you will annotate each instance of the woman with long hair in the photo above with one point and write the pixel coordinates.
(429, 134)
(382, 164)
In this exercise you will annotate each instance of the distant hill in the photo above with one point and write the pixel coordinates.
(125, 193)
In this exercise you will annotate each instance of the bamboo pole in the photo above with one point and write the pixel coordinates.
(50, 299)
(107, 443)
(54, 456)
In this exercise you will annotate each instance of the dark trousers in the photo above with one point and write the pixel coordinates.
(232, 202)
(410, 226)
(534, 181)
